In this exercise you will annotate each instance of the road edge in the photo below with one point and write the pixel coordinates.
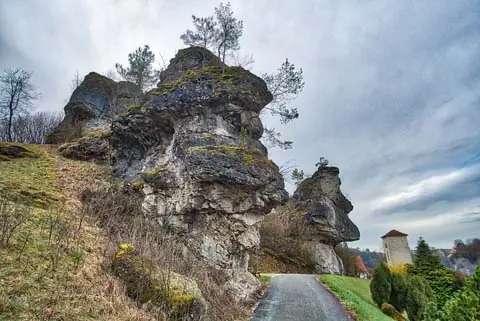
(351, 312)
(260, 295)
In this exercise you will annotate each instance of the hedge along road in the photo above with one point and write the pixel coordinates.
(298, 297)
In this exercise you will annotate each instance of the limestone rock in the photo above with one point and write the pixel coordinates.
(94, 146)
(324, 258)
(188, 59)
(208, 181)
(326, 212)
(93, 105)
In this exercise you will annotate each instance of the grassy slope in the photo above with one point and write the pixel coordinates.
(355, 293)
(52, 268)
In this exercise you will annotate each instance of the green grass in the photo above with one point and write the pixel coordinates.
(30, 181)
(50, 267)
(355, 293)
(265, 279)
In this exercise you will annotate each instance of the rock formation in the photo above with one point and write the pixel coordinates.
(325, 210)
(93, 105)
(193, 144)
(207, 179)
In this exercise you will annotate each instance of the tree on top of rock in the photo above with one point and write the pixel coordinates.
(230, 29)
(204, 35)
(322, 163)
(285, 85)
(297, 176)
(140, 68)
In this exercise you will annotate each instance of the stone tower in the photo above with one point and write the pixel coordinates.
(395, 246)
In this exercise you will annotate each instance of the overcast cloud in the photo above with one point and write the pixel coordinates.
(392, 92)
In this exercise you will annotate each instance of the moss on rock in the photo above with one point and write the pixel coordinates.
(158, 289)
(9, 151)
(249, 156)
(94, 146)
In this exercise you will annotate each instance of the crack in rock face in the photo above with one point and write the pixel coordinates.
(326, 211)
(194, 142)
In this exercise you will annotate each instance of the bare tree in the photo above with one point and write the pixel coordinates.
(140, 68)
(76, 81)
(244, 61)
(285, 85)
(16, 95)
(204, 35)
(112, 74)
(32, 128)
(229, 31)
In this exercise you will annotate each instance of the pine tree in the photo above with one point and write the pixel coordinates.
(230, 29)
(140, 68)
(425, 259)
(204, 35)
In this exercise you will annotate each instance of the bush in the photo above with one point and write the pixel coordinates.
(418, 296)
(381, 285)
(398, 268)
(282, 231)
(399, 291)
(463, 306)
(390, 310)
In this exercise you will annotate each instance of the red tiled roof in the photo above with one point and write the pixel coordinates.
(360, 265)
(394, 233)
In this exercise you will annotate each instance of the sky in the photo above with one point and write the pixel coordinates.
(392, 94)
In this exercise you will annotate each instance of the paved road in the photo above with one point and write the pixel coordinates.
(298, 297)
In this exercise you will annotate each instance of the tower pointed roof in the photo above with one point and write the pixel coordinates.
(394, 233)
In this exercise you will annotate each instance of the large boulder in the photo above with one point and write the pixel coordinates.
(207, 179)
(93, 105)
(325, 211)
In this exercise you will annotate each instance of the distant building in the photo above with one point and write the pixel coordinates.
(362, 269)
(395, 246)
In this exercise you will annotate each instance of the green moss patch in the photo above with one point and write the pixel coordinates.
(30, 181)
(145, 283)
(249, 156)
(10, 151)
(221, 82)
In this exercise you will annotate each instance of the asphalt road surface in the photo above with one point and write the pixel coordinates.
(298, 297)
